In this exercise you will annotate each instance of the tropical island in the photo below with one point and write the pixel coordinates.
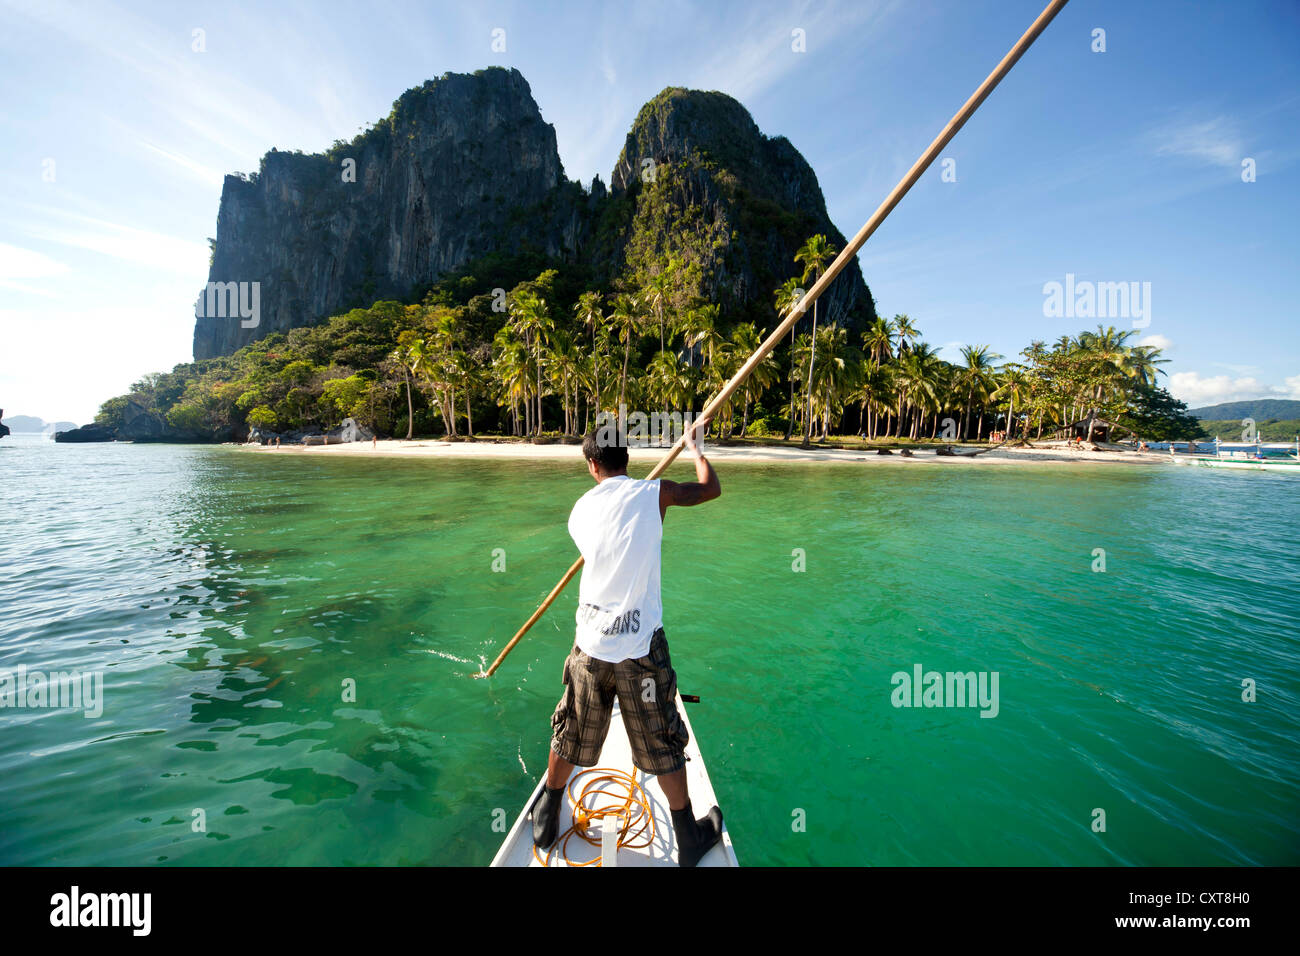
(562, 300)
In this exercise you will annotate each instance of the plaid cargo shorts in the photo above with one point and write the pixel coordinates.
(646, 688)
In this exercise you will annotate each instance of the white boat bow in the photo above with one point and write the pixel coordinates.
(517, 849)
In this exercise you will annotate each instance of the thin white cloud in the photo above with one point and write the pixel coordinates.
(764, 53)
(125, 242)
(19, 263)
(1237, 369)
(206, 174)
(18, 266)
(230, 114)
(1213, 142)
(28, 289)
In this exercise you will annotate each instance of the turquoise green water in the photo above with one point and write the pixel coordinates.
(226, 597)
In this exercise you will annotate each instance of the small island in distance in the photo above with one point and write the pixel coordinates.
(31, 424)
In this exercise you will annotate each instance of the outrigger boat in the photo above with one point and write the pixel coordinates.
(1244, 460)
(616, 794)
(1243, 464)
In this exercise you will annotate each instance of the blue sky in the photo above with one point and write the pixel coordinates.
(1115, 166)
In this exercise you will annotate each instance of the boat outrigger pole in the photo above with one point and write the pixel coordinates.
(908, 181)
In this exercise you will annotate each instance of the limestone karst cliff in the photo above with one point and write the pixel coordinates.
(435, 185)
(465, 166)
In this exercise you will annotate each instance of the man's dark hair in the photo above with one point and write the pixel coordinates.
(610, 456)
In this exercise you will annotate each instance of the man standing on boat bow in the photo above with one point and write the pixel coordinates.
(619, 646)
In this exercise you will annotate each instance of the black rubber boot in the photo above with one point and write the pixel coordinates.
(546, 817)
(695, 837)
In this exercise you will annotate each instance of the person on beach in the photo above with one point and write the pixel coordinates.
(619, 646)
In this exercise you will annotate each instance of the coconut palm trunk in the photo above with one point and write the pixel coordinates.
(622, 386)
(789, 428)
(410, 406)
(812, 354)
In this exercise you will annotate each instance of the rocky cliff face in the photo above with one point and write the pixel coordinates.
(435, 185)
(465, 166)
(702, 177)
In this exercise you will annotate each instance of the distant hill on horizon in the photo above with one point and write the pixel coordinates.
(31, 423)
(1260, 410)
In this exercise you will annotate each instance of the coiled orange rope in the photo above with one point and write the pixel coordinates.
(624, 798)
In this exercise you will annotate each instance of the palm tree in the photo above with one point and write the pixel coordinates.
(905, 331)
(947, 390)
(532, 318)
(745, 340)
(977, 376)
(877, 339)
(588, 312)
(1014, 387)
(668, 381)
(1141, 364)
(835, 376)
(872, 395)
(788, 295)
(656, 292)
(512, 370)
(1108, 363)
(626, 322)
(600, 367)
(564, 360)
(814, 254)
(441, 369)
(470, 377)
(704, 332)
(919, 380)
(412, 355)
(1036, 399)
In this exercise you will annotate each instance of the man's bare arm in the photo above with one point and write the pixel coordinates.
(685, 494)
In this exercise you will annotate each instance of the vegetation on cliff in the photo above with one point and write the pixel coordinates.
(545, 356)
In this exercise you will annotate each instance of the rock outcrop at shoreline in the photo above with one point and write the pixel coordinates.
(87, 433)
(465, 167)
(141, 424)
(349, 431)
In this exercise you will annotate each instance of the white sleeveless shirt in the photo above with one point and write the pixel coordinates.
(618, 529)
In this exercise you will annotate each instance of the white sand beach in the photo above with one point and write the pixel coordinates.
(1044, 452)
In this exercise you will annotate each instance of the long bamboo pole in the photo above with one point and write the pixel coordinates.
(846, 255)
